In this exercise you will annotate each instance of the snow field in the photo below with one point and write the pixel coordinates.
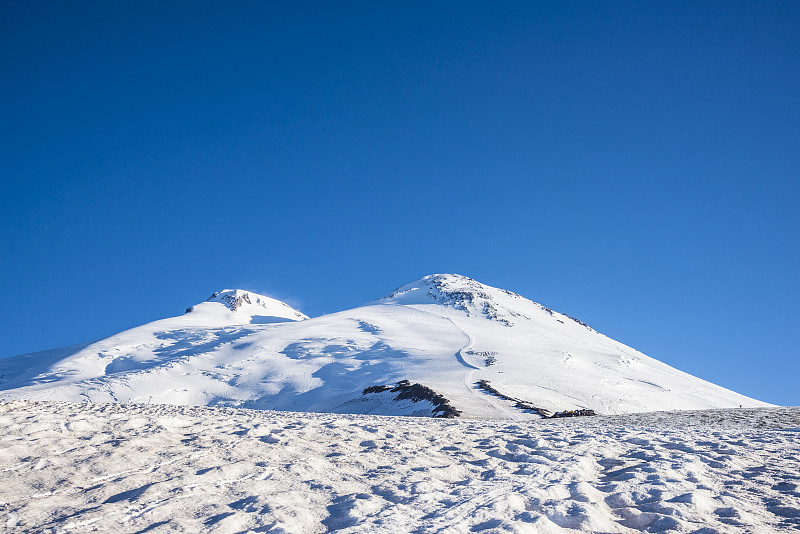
(131, 468)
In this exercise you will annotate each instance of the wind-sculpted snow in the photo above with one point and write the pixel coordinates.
(134, 468)
(446, 333)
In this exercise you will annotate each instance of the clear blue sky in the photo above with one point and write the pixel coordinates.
(633, 164)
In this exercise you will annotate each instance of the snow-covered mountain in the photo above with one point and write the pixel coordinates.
(444, 345)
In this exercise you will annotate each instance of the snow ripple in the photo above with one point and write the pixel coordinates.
(73, 467)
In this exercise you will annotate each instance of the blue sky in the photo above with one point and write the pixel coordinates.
(633, 164)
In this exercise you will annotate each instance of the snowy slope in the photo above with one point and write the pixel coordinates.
(80, 467)
(444, 334)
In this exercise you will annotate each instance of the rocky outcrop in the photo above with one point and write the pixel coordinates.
(416, 393)
(527, 406)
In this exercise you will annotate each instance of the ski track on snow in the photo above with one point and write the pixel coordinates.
(75, 467)
(469, 376)
(470, 380)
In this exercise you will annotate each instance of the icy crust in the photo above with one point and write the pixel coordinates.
(132, 468)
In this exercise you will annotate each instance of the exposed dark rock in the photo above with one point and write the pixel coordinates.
(468, 300)
(375, 389)
(579, 322)
(572, 413)
(527, 406)
(489, 356)
(521, 404)
(463, 300)
(233, 302)
(417, 392)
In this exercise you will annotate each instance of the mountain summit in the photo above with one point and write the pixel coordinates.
(442, 346)
(470, 296)
(261, 309)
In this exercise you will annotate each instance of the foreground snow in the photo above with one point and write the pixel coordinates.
(74, 467)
